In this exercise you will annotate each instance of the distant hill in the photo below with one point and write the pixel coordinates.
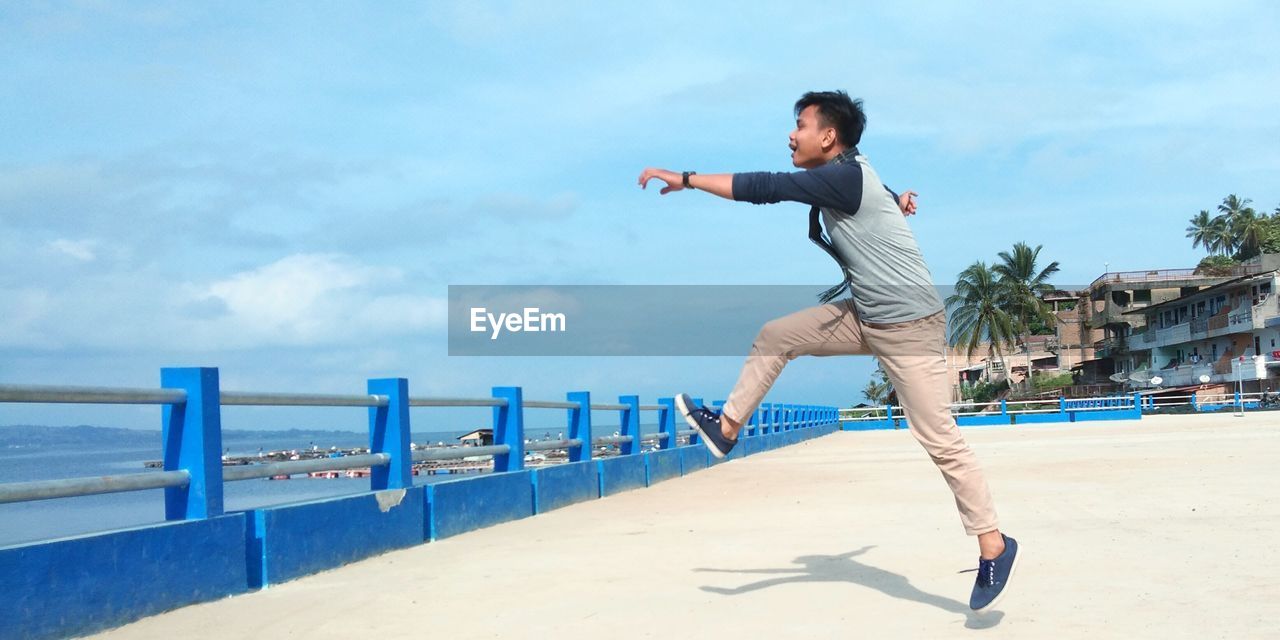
(26, 435)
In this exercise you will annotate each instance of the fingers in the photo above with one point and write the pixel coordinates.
(672, 183)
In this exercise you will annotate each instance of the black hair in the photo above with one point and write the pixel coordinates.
(837, 110)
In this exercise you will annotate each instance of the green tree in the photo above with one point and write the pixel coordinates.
(1215, 266)
(1221, 242)
(1202, 231)
(1271, 233)
(1240, 220)
(878, 388)
(978, 313)
(1024, 286)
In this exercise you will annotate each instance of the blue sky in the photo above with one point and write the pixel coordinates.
(285, 191)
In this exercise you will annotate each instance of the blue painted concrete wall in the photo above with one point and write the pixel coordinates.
(564, 484)
(693, 459)
(458, 506)
(622, 473)
(83, 584)
(663, 464)
(291, 541)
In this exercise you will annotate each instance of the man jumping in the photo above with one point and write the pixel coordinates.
(892, 312)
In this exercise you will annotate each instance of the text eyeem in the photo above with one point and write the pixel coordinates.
(530, 319)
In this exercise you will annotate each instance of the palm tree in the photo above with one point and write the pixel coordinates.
(1237, 215)
(878, 390)
(1221, 240)
(1201, 230)
(1250, 229)
(1024, 287)
(977, 310)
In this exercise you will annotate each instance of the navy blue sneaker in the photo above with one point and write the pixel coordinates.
(707, 423)
(993, 577)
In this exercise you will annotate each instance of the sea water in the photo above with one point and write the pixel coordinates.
(45, 519)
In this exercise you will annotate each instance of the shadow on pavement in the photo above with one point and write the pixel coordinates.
(843, 568)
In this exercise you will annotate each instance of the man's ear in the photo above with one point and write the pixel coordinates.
(828, 138)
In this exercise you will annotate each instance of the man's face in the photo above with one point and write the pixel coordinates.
(811, 142)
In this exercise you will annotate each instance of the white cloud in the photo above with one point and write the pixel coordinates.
(82, 250)
(314, 299)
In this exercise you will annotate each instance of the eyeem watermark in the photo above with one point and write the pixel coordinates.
(530, 320)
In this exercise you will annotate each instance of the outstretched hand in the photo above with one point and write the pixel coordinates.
(907, 202)
(675, 181)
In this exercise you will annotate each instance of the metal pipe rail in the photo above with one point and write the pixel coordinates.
(242, 398)
(570, 443)
(458, 453)
(549, 404)
(549, 445)
(608, 407)
(457, 402)
(89, 395)
(611, 440)
(290, 467)
(192, 392)
(72, 487)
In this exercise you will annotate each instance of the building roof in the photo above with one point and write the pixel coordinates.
(476, 434)
(1181, 300)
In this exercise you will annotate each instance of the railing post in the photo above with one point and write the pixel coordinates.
(1004, 407)
(667, 423)
(888, 416)
(580, 425)
(1194, 405)
(508, 429)
(1062, 406)
(389, 434)
(192, 437)
(753, 422)
(630, 421)
(1137, 404)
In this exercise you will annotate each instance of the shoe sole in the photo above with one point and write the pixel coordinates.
(1013, 570)
(686, 411)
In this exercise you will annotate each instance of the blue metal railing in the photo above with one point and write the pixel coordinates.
(192, 401)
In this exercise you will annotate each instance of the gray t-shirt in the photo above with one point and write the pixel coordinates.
(867, 230)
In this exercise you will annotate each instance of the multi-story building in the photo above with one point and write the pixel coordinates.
(1104, 331)
(1112, 303)
(1219, 335)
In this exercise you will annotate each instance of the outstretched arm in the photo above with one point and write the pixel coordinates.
(720, 184)
(821, 187)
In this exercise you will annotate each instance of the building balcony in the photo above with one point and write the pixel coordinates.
(1110, 347)
(1176, 334)
(1231, 321)
(1112, 313)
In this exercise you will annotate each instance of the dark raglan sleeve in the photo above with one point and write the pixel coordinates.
(835, 186)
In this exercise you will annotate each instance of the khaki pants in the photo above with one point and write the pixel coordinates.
(911, 353)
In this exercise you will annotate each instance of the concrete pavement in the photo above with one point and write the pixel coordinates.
(1164, 527)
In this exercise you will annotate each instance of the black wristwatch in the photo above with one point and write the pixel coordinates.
(684, 178)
